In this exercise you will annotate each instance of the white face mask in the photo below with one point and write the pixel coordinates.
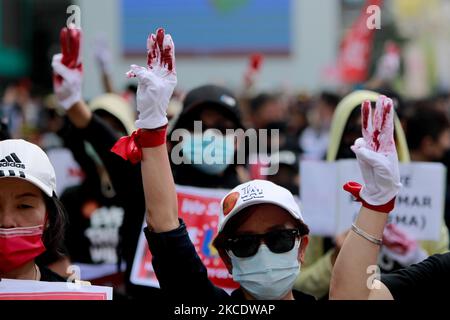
(267, 275)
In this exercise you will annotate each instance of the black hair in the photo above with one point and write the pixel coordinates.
(425, 122)
(103, 114)
(4, 132)
(260, 100)
(352, 131)
(330, 98)
(132, 87)
(54, 231)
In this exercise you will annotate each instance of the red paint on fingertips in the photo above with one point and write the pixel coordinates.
(365, 114)
(152, 50)
(386, 110)
(160, 33)
(63, 39)
(70, 47)
(166, 58)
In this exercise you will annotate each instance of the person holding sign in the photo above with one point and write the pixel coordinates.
(399, 248)
(32, 219)
(353, 276)
(262, 236)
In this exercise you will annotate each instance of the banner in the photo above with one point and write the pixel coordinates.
(212, 27)
(354, 54)
(41, 290)
(199, 208)
(329, 210)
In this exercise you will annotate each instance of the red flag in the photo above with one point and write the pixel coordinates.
(354, 56)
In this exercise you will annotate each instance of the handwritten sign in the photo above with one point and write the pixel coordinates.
(329, 210)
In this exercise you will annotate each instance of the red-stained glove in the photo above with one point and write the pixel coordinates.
(68, 68)
(156, 81)
(377, 158)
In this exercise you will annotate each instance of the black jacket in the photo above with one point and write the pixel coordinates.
(125, 178)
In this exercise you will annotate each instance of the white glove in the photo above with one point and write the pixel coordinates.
(68, 69)
(67, 90)
(376, 153)
(156, 82)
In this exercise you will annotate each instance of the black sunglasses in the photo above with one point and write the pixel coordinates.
(278, 241)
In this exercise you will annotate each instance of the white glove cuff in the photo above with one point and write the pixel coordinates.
(151, 124)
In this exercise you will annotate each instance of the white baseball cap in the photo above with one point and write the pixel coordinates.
(24, 160)
(256, 192)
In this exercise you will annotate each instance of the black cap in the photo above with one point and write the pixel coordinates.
(210, 96)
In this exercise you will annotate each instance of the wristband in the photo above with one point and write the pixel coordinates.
(355, 188)
(366, 236)
(130, 147)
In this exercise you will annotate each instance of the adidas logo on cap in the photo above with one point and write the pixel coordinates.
(12, 161)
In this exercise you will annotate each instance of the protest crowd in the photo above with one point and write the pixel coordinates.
(163, 193)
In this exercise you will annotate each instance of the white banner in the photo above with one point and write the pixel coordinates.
(41, 290)
(329, 210)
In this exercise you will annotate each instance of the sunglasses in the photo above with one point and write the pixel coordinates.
(278, 241)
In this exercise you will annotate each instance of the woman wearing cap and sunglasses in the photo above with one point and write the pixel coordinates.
(262, 237)
(32, 219)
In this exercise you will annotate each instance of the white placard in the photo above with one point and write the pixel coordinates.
(42, 290)
(418, 210)
(318, 187)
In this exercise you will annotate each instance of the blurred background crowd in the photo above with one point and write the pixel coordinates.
(288, 63)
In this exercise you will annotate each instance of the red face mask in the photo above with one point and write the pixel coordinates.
(19, 246)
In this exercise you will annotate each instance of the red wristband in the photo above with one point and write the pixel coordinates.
(130, 147)
(151, 138)
(355, 188)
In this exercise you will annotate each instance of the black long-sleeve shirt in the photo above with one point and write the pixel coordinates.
(425, 280)
(125, 178)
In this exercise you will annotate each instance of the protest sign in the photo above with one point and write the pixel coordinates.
(329, 210)
(42, 290)
(199, 208)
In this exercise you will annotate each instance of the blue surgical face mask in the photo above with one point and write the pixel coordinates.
(267, 275)
(209, 152)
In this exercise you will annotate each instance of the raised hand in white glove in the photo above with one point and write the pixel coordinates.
(377, 156)
(156, 81)
(68, 68)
